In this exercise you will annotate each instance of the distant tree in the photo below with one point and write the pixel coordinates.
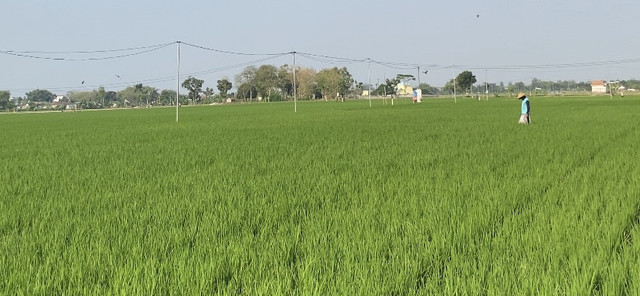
(583, 86)
(465, 80)
(449, 86)
(5, 100)
(266, 79)
(145, 93)
(391, 85)
(405, 78)
(245, 80)
(133, 95)
(100, 96)
(224, 85)
(139, 92)
(194, 86)
(40, 95)
(329, 83)
(246, 91)
(110, 97)
(285, 79)
(380, 90)
(306, 83)
(427, 89)
(167, 97)
(613, 87)
(358, 87)
(152, 94)
(346, 80)
(208, 92)
(632, 83)
(334, 82)
(387, 88)
(82, 97)
(519, 87)
(511, 88)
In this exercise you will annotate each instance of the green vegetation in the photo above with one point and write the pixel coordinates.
(338, 198)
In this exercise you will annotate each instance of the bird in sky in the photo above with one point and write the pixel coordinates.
(82, 81)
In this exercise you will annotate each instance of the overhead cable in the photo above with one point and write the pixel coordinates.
(233, 52)
(33, 56)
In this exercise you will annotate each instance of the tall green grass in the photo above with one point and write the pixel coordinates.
(337, 198)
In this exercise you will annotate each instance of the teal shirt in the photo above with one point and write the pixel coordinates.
(525, 106)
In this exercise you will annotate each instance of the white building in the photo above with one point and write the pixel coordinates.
(598, 87)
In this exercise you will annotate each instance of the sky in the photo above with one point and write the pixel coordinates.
(78, 45)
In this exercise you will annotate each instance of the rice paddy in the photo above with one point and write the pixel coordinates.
(437, 198)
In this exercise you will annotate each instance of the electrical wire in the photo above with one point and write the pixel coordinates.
(134, 51)
(233, 52)
(330, 59)
(314, 57)
(229, 67)
(90, 51)
(558, 66)
(166, 78)
(327, 61)
(13, 53)
(397, 66)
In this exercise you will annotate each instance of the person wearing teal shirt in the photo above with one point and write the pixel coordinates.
(525, 109)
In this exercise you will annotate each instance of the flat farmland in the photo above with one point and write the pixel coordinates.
(437, 198)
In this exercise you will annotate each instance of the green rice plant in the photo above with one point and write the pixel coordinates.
(337, 198)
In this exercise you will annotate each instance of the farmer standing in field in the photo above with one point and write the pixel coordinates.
(525, 109)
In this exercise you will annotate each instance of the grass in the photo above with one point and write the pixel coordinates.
(337, 198)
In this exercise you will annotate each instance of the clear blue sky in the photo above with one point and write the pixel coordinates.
(512, 39)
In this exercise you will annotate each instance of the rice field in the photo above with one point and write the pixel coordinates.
(438, 198)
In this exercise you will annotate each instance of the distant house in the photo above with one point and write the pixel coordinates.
(403, 89)
(598, 87)
(59, 101)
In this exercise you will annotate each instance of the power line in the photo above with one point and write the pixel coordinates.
(32, 56)
(311, 56)
(398, 66)
(234, 52)
(134, 51)
(89, 51)
(330, 59)
(163, 79)
(229, 67)
(558, 66)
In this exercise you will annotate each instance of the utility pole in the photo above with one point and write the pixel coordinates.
(453, 71)
(178, 81)
(295, 95)
(486, 85)
(369, 76)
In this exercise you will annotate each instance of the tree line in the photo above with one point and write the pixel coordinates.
(270, 83)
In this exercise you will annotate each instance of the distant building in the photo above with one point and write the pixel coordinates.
(403, 89)
(598, 87)
(59, 101)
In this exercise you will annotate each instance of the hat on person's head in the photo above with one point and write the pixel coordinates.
(521, 95)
